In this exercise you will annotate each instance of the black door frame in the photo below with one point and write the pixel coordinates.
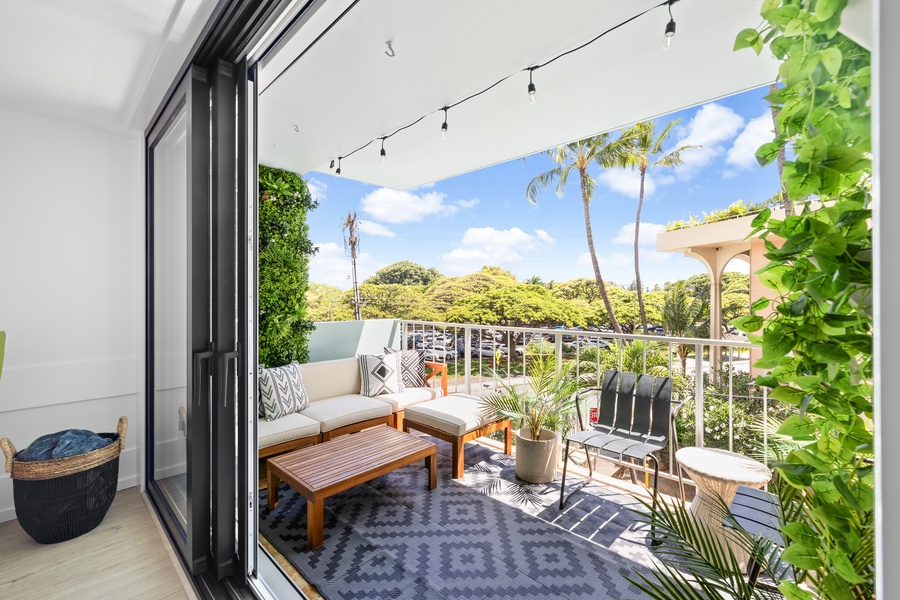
(192, 96)
(225, 363)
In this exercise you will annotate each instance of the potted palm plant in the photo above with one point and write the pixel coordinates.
(539, 409)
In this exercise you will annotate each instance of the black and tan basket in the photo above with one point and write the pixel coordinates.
(59, 499)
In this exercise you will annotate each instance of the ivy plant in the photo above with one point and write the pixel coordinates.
(815, 326)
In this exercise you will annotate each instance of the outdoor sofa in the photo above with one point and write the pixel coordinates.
(337, 406)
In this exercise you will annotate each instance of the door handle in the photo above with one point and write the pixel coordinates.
(199, 357)
(227, 358)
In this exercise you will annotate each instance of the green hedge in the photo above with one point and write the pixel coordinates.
(284, 253)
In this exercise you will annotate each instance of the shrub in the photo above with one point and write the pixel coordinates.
(284, 252)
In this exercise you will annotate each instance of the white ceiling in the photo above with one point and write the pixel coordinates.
(346, 91)
(104, 63)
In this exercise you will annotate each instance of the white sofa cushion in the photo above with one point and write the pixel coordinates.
(332, 413)
(285, 429)
(330, 378)
(410, 396)
(456, 414)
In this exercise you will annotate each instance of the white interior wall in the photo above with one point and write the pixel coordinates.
(71, 284)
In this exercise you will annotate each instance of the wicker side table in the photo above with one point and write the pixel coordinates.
(717, 474)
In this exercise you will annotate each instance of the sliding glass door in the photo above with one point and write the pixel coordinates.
(179, 343)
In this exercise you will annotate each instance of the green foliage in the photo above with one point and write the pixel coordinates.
(444, 292)
(515, 306)
(284, 252)
(404, 273)
(745, 413)
(547, 401)
(636, 357)
(328, 303)
(817, 342)
(394, 301)
(735, 210)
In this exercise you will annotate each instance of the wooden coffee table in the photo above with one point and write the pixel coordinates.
(319, 471)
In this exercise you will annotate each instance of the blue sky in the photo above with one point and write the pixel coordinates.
(483, 218)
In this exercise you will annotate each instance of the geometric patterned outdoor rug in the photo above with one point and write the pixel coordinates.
(487, 535)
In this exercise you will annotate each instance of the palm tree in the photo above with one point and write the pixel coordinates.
(684, 316)
(641, 152)
(603, 150)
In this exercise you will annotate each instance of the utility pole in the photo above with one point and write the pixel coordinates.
(351, 245)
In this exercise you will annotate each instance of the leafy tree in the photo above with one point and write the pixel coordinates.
(395, 301)
(578, 156)
(284, 252)
(327, 303)
(645, 152)
(444, 292)
(521, 305)
(404, 273)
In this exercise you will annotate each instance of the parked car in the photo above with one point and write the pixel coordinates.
(440, 353)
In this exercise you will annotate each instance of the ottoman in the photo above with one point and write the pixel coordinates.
(457, 419)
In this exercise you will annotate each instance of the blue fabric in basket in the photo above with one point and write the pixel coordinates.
(62, 444)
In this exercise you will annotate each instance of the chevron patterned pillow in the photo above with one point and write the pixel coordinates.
(412, 366)
(281, 391)
(380, 374)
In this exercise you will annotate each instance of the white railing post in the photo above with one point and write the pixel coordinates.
(559, 343)
(467, 358)
(730, 401)
(698, 395)
(403, 335)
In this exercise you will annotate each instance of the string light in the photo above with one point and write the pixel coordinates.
(670, 29)
(532, 89)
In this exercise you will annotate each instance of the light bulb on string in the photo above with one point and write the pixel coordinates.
(338, 172)
(531, 88)
(444, 125)
(669, 40)
(383, 153)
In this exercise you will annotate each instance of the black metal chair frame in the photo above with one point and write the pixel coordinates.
(636, 419)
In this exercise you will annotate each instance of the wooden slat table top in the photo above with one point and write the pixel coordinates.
(319, 470)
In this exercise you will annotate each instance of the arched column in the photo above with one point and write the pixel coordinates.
(715, 259)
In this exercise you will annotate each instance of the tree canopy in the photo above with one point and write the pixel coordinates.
(404, 273)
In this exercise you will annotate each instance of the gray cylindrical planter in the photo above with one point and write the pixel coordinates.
(536, 460)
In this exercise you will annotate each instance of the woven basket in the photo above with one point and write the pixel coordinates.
(59, 499)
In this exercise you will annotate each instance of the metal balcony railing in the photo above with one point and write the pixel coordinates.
(710, 375)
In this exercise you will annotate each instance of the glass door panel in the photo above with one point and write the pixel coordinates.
(179, 344)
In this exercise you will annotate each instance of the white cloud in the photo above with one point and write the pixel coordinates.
(482, 246)
(711, 127)
(373, 228)
(467, 203)
(397, 206)
(742, 153)
(648, 234)
(317, 189)
(628, 182)
(331, 265)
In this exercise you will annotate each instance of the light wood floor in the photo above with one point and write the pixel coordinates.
(124, 557)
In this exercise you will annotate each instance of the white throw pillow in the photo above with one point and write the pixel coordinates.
(380, 374)
(281, 391)
(412, 367)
